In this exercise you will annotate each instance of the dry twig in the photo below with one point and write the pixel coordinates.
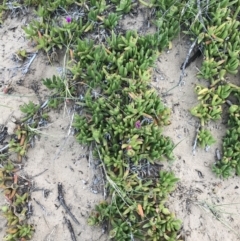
(186, 61)
(50, 235)
(63, 203)
(70, 228)
(25, 69)
(195, 139)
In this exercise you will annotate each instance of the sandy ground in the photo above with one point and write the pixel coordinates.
(200, 198)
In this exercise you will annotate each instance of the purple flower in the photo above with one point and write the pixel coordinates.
(68, 19)
(138, 124)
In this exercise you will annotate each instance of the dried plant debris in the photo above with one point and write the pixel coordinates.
(19, 207)
(63, 203)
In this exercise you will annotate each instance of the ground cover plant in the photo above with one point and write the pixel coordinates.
(17, 189)
(118, 114)
(217, 35)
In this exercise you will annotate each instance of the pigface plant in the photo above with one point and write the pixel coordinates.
(119, 114)
(146, 211)
(205, 138)
(229, 164)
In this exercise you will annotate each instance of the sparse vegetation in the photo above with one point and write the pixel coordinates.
(121, 115)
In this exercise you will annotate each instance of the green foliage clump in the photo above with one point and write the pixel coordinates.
(29, 109)
(210, 108)
(62, 89)
(215, 27)
(111, 20)
(123, 99)
(205, 138)
(230, 162)
(216, 32)
(16, 213)
(17, 230)
(138, 208)
(122, 115)
(52, 32)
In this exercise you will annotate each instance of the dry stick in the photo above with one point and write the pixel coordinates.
(63, 75)
(5, 147)
(70, 228)
(102, 172)
(229, 102)
(49, 236)
(185, 62)
(183, 68)
(46, 221)
(26, 68)
(70, 126)
(40, 173)
(42, 207)
(200, 12)
(7, 121)
(207, 5)
(218, 155)
(205, 206)
(195, 139)
(192, 46)
(90, 155)
(44, 104)
(104, 185)
(44, 210)
(65, 140)
(111, 182)
(62, 202)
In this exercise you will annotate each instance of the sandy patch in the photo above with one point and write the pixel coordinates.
(67, 162)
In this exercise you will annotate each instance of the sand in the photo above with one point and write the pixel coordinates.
(208, 206)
